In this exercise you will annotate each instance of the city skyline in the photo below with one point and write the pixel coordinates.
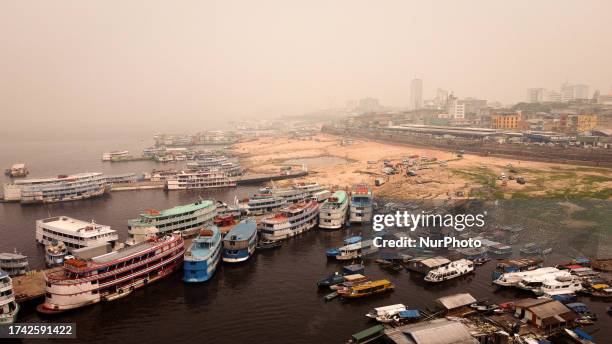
(152, 66)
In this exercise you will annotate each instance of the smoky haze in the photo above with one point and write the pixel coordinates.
(74, 68)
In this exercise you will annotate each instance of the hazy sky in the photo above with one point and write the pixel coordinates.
(120, 66)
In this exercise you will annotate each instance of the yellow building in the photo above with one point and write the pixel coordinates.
(506, 120)
(581, 123)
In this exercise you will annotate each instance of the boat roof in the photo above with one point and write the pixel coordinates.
(362, 190)
(10, 256)
(180, 209)
(457, 300)
(76, 226)
(242, 231)
(372, 284)
(18, 166)
(58, 178)
(352, 240)
(520, 262)
(340, 195)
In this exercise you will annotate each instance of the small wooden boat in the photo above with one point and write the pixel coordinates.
(331, 296)
(367, 289)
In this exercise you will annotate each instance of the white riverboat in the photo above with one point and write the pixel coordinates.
(361, 204)
(290, 221)
(357, 250)
(199, 180)
(512, 279)
(8, 307)
(73, 233)
(452, 270)
(534, 283)
(62, 188)
(290, 195)
(385, 314)
(115, 155)
(262, 204)
(334, 211)
(560, 285)
(15, 264)
(55, 254)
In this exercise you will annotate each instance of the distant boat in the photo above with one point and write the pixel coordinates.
(8, 307)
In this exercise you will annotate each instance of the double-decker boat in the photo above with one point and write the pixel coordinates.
(515, 265)
(561, 285)
(85, 281)
(290, 195)
(535, 282)
(333, 212)
(452, 270)
(8, 307)
(115, 155)
(361, 204)
(203, 256)
(187, 219)
(290, 221)
(73, 233)
(14, 264)
(263, 204)
(240, 242)
(17, 170)
(335, 251)
(512, 279)
(199, 180)
(60, 189)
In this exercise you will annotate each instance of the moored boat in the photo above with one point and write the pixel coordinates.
(14, 264)
(357, 250)
(333, 212)
(60, 189)
(290, 221)
(333, 252)
(515, 265)
(8, 307)
(385, 314)
(55, 253)
(88, 280)
(240, 242)
(361, 204)
(202, 256)
(512, 279)
(452, 270)
(366, 289)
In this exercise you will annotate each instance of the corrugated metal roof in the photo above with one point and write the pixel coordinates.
(439, 331)
(457, 300)
(549, 309)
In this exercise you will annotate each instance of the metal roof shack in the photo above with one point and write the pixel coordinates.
(456, 301)
(545, 314)
(438, 331)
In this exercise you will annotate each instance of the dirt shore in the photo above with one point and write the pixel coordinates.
(334, 164)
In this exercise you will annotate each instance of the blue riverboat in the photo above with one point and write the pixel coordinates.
(239, 243)
(333, 252)
(203, 256)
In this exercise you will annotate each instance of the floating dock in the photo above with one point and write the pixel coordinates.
(266, 177)
(30, 286)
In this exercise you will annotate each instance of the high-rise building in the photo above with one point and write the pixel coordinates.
(416, 94)
(367, 105)
(553, 96)
(535, 95)
(473, 105)
(441, 99)
(570, 92)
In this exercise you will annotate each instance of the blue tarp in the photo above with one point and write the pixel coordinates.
(583, 261)
(564, 298)
(578, 307)
(352, 269)
(410, 313)
(582, 334)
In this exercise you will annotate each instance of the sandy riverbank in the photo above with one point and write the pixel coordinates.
(470, 175)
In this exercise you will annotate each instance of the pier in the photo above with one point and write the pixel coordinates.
(266, 177)
(30, 286)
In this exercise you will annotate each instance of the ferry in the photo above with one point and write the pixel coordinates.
(55, 253)
(290, 221)
(199, 180)
(8, 307)
(311, 187)
(85, 281)
(115, 155)
(356, 250)
(333, 212)
(17, 170)
(240, 242)
(515, 265)
(361, 204)
(14, 264)
(187, 219)
(333, 252)
(203, 256)
(512, 279)
(62, 188)
(73, 233)
(366, 289)
(260, 204)
(560, 285)
(453, 270)
(206, 162)
(534, 283)
(290, 195)
(321, 196)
